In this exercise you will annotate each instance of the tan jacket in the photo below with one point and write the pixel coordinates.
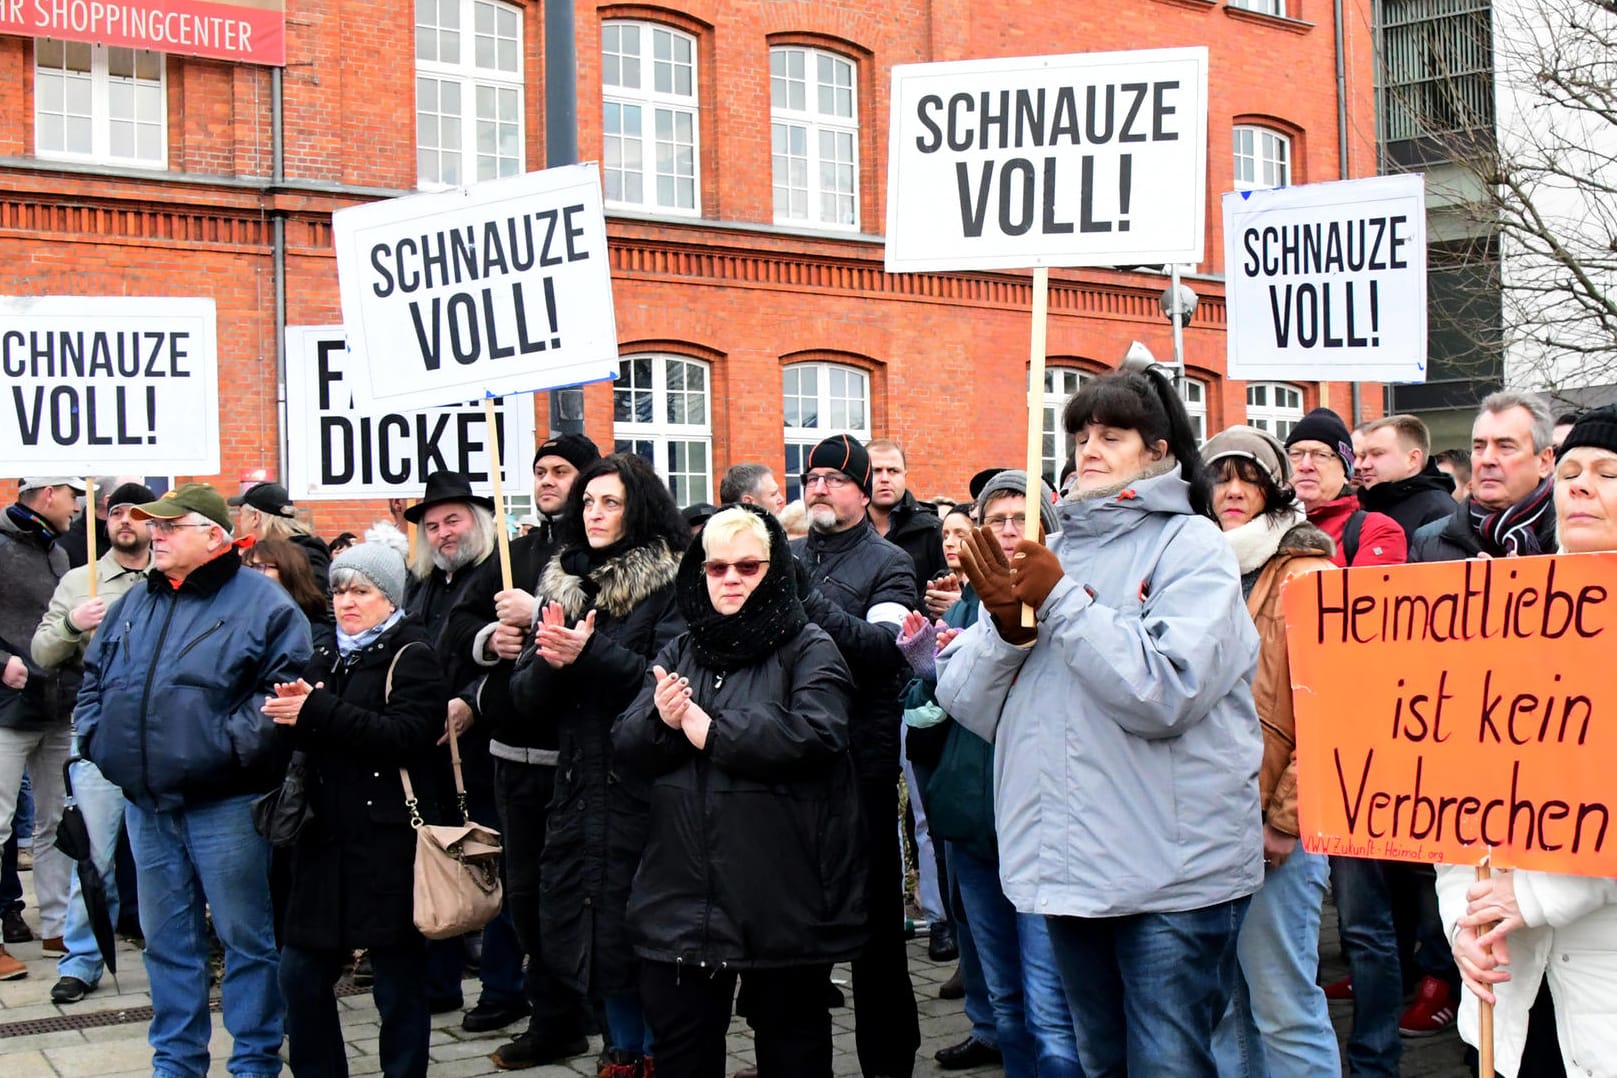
(56, 643)
(1303, 549)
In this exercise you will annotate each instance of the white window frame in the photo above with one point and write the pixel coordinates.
(816, 125)
(1193, 391)
(801, 439)
(662, 433)
(1269, 407)
(1277, 8)
(1060, 383)
(655, 108)
(490, 99)
(1261, 154)
(99, 109)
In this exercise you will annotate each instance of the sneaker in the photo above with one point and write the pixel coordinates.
(52, 947)
(1431, 1013)
(13, 929)
(10, 968)
(1340, 991)
(618, 1064)
(69, 990)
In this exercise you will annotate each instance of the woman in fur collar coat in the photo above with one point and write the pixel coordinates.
(605, 608)
(1278, 1015)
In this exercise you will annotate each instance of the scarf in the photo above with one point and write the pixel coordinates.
(770, 617)
(347, 645)
(1161, 467)
(1528, 527)
(1256, 541)
(34, 527)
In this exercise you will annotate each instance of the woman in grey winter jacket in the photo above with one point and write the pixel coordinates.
(1126, 746)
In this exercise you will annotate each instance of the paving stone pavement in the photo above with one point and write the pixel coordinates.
(120, 1050)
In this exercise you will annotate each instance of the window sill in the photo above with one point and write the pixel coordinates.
(1194, 5)
(837, 236)
(1278, 22)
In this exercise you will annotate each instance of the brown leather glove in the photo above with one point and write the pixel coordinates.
(990, 576)
(1035, 571)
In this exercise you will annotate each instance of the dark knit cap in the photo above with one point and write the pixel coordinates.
(130, 494)
(1324, 425)
(844, 453)
(1596, 427)
(575, 449)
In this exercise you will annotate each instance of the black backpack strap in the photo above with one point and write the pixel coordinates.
(1350, 536)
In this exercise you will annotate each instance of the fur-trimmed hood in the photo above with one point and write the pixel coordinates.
(624, 581)
(1306, 539)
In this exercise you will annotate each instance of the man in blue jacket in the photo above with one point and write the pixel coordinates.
(170, 713)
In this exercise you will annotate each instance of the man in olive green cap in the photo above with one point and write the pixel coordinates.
(169, 712)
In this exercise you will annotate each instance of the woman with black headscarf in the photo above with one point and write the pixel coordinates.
(604, 606)
(753, 863)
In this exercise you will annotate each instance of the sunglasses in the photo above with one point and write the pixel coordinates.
(746, 567)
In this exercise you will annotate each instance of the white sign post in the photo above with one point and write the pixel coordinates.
(338, 449)
(499, 288)
(1327, 281)
(99, 384)
(1090, 159)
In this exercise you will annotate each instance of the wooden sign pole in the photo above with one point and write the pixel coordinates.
(497, 470)
(1035, 412)
(1484, 1009)
(89, 529)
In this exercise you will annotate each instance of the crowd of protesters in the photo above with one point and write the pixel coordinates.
(705, 732)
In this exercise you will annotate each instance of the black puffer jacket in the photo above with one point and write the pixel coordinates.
(31, 567)
(353, 868)
(755, 855)
(1426, 496)
(861, 588)
(915, 529)
(598, 818)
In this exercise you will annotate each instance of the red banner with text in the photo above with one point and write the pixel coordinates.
(241, 31)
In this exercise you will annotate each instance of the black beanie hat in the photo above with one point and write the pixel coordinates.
(844, 453)
(130, 494)
(575, 449)
(1596, 427)
(1324, 425)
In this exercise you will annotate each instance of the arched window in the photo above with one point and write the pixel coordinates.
(1273, 406)
(821, 399)
(1262, 158)
(468, 91)
(650, 125)
(814, 131)
(661, 411)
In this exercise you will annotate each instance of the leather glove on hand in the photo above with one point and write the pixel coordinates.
(1035, 571)
(990, 576)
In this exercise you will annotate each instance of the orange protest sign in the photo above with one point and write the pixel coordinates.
(1454, 710)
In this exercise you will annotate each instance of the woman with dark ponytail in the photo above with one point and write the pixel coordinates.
(1126, 746)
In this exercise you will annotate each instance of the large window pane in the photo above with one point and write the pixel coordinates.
(468, 102)
(814, 138)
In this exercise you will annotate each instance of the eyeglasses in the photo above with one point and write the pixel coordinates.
(832, 480)
(747, 568)
(166, 527)
(1318, 456)
(1017, 521)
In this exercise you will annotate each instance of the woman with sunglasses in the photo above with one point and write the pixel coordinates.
(604, 607)
(753, 864)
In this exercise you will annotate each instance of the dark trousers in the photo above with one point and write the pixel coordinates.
(522, 795)
(689, 1012)
(315, 1047)
(10, 883)
(887, 1030)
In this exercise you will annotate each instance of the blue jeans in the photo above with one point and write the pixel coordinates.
(1145, 991)
(1034, 1030)
(1370, 945)
(1278, 1023)
(626, 1024)
(977, 1008)
(209, 854)
(102, 804)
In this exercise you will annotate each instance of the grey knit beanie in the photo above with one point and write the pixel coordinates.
(377, 562)
(1014, 481)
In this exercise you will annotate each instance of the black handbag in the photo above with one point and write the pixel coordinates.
(283, 813)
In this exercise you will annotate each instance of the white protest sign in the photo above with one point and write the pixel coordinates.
(499, 288)
(1094, 159)
(98, 384)
(1327, 281)
(336, 449)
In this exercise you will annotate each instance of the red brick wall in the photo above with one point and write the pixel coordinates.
(947, 356)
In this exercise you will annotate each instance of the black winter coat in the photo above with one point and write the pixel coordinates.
(353, 868)
(598, 817)
(319, 555)
(915, 529)
(1426, 496)
(431, 600)
(862, 588)
(755, 855)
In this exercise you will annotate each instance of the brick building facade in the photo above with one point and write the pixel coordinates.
(743, 148)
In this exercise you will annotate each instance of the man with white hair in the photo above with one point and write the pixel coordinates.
(169, 713)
